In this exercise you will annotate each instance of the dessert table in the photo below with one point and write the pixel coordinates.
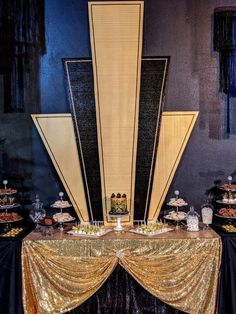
(62, 271)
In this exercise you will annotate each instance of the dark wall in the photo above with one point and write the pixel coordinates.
(180, 29)
(183, 30)
(67, 36)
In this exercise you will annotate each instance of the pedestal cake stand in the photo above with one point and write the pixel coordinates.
(118, 216)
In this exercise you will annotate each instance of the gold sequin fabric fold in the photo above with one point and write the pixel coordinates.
(60, 274)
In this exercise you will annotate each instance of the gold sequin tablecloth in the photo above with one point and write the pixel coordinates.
(180, 268)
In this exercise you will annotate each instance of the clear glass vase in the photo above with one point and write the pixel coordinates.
(38, 212)
(192, 220)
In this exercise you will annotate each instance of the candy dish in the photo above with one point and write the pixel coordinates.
(47, 222)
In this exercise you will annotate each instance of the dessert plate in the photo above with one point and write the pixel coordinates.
(169, 217)
(65, 221)
(9, 206)
(62, 206)
(7, 191)
(227, 217)
(10, 220)
(233, 202)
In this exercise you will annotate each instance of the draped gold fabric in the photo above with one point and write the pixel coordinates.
(180, 268)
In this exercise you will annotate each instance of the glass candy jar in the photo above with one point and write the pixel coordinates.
(207, 215)
(192, 220)
(37, 213)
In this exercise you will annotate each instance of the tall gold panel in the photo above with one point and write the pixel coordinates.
(116, 39)
(57, 133)
(176, 128)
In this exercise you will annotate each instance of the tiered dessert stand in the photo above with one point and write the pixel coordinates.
(229, 200)
(62, 223)
(8, 204)
(178, 217)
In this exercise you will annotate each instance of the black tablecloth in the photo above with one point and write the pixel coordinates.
(120, 293)
(10, 277)
(227, 289)
(10, 269)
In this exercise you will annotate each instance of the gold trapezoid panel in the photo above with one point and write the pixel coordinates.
(57, 134)
(176, 128)
(116, 39)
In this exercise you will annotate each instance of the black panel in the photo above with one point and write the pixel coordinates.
(153, 76)
(81, 94)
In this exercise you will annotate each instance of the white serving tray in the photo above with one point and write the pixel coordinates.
(88, 235)
(152, 233)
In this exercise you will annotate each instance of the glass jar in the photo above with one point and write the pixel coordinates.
(192, 220)
(207, 214)
(37, 213)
